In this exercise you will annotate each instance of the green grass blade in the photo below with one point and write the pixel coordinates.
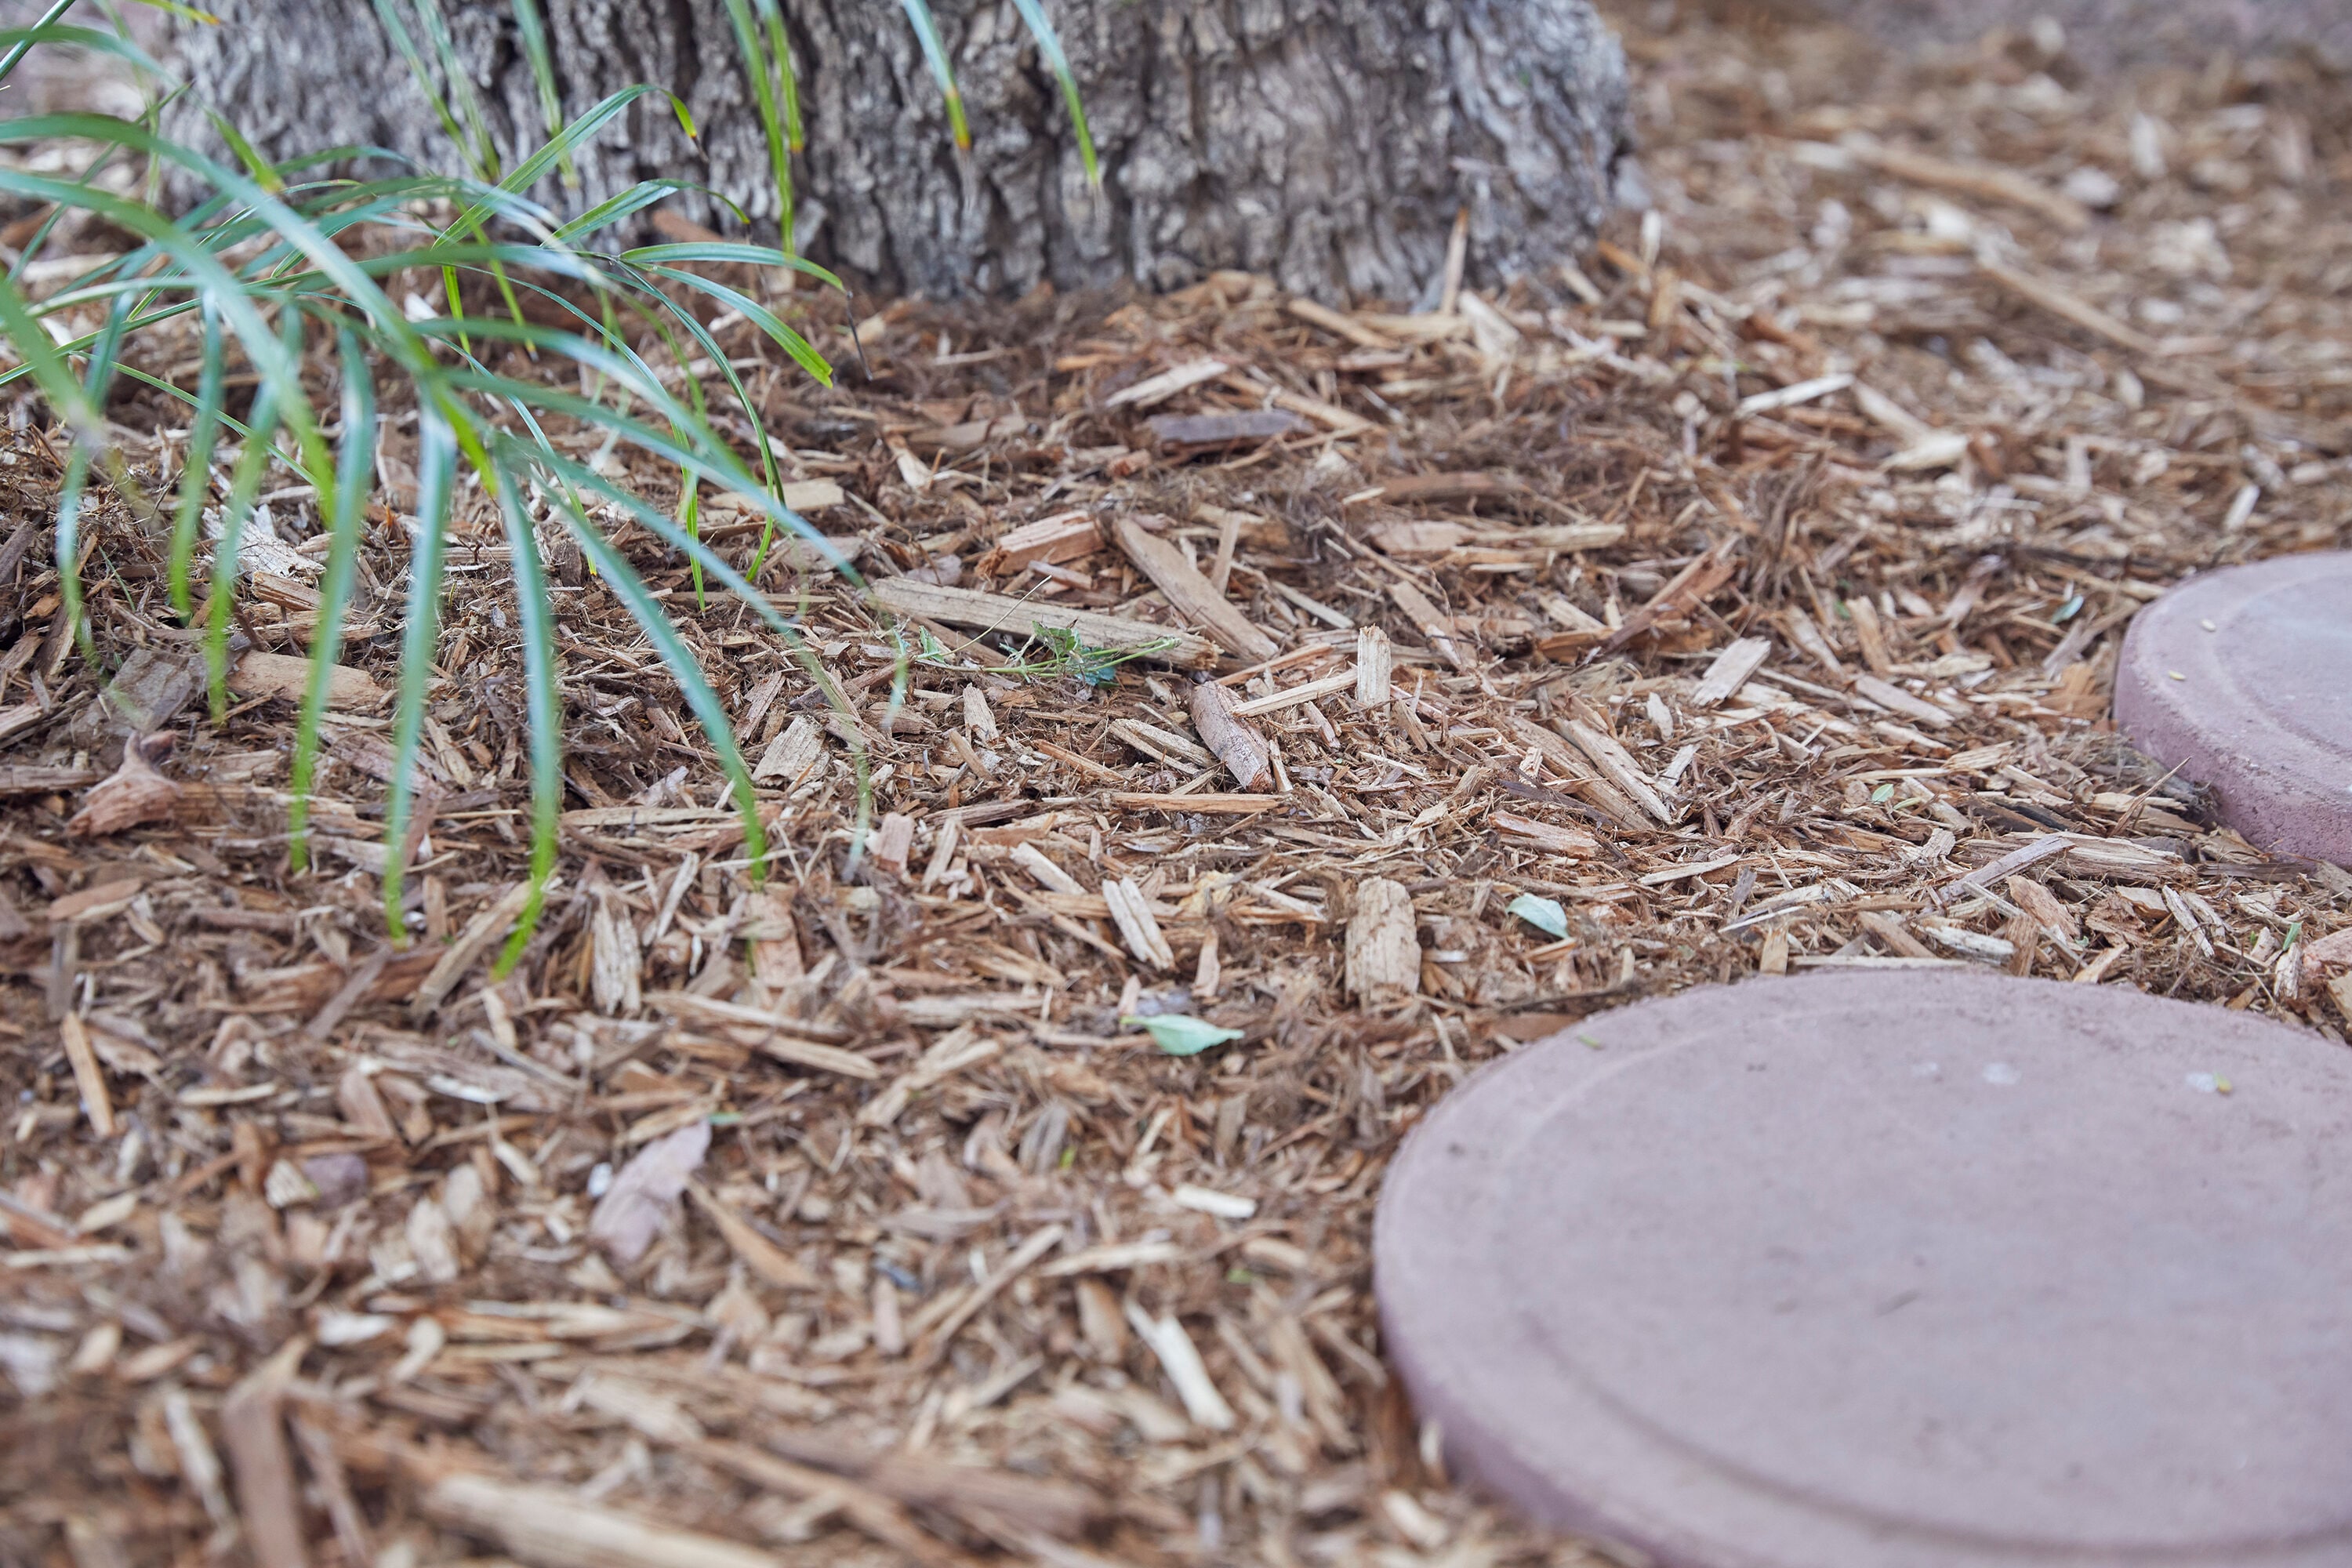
(245, 485)
(264, 173)
(195, 477)
(66, 396)
(802, 352)
(723, 251)
(459, 85)
(534, 33)
(543, 702)
(779, 50)
(404, 43)
(1049, 45)
(184, 12)
(647, 611)
(627, 205)
(935, 55)
(751, 44)
(345, 508)
(19, 41)
(437, 473)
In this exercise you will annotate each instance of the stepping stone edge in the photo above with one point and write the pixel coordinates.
(1868, 1270)
(2242, 680)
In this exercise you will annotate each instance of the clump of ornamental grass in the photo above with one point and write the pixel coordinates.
(278, 262)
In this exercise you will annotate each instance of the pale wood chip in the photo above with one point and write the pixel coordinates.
(1159, 744)
(1544, 836)
(557, 1528)
(1886, 694)
(89, 1080)
(1166, 385)
(793, 753)
(259, 674)
(951, 1053)
(892, 841)
(1731, 670)
(985, 613)
(1375, 658)
(1235, 744)
(756, 1252)
(253, 1425)
(1032, 859)
(1181, 1359)
(485, 929)
(1132, 913)
(1189, 593)
(1434, 623)
(1618, 764)
(1382, 960)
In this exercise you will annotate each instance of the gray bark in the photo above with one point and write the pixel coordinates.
(1327, 143)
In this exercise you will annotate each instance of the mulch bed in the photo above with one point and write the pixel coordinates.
(1755, 608)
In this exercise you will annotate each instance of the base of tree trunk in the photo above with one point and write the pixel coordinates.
(1330, 143)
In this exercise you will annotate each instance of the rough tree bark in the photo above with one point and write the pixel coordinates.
(1328, 142)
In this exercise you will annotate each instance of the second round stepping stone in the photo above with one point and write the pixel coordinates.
(2242, 680)
(1894, 1270)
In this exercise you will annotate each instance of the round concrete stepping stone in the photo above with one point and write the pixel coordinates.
(1894, 1269)
(2242, 678)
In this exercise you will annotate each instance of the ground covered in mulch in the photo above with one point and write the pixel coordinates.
(1732, 602)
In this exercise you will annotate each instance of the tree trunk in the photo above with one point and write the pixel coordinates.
(1328, 142)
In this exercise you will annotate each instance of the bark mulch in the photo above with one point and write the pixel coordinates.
(1747, 608)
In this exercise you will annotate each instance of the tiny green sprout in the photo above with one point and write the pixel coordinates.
(1588, 1040)
(725, 1119)
(1069, 1158)
(1881, 795)
(1239, 1275)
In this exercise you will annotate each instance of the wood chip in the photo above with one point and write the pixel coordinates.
(1181, 1359)
(89, 1080)
(1374, 658)
(1543, 835)
(259, 674)
(1618, 765)
(1205, 803)
(793, 754)
(487, 926)
(1232, 740)
(763, 1258)
(1433, 623)
(558, 1529)
(1333, 322)
(1731, 670)
(1132, 913)
(1069, 537)
(1382, 960)
(1190, 595)
(1166, 385)
(1888, 695)
(985, 613)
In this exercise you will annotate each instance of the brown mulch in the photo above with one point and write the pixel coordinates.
(844, 1218)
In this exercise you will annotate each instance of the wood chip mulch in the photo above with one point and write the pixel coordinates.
(1750, 612)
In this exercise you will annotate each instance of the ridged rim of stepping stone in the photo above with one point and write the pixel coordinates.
(2242, 678)
(1926, 1269)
